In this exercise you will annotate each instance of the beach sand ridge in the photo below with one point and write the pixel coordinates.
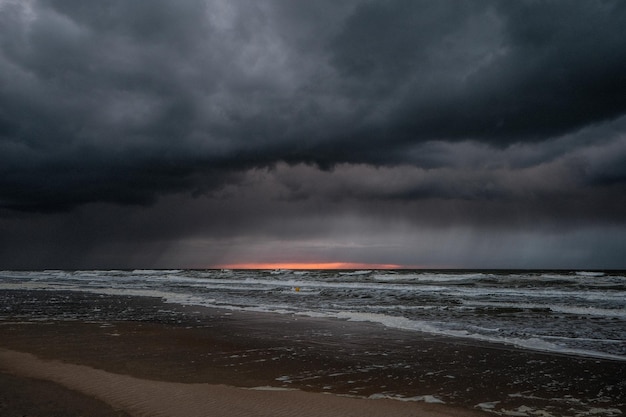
(143, 398)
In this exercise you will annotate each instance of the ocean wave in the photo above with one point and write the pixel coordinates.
(562, 312)
(590, 274)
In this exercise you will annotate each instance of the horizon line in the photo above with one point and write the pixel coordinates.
(312, 265)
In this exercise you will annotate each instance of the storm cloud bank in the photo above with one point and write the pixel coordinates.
(478, 115)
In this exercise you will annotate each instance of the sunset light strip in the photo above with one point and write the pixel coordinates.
(306, 265)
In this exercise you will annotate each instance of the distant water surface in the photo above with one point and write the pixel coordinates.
(574, 312)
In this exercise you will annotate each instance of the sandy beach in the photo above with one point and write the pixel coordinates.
(142, 397)
(140, 357)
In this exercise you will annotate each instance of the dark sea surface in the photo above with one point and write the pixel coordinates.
(510, 343)
(580, 313)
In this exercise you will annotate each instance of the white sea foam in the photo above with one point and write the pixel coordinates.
(279, 271)
(533, 343)
(362, 272)
(590, 274)
(488, 405)
(519, 309)
(420, 398)
(269, 388)
(580, 311)
(426, 277)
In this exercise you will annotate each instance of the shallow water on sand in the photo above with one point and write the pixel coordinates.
(157, 340)
(572, 312)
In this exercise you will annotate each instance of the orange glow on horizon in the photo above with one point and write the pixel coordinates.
(308, 265)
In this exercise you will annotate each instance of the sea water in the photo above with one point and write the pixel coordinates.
(573, 312)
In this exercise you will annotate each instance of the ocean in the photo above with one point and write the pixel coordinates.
(579, 313)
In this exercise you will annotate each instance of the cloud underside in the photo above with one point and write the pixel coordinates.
(281, 119)
(126, 101)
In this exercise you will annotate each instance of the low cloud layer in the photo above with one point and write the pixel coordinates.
(480, 115)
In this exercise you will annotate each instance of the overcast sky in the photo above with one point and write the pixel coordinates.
(197, 133)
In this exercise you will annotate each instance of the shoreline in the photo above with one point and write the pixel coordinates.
(150, 340)
(142, 397)
(21, 396)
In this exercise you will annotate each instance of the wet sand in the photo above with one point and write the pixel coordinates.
(142, 397)
(21, 396)
(201, 354)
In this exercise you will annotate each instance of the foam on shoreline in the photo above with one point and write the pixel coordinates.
(151, 340)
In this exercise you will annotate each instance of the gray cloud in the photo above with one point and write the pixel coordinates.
(498, 73)
(481, 114)
(124, 89)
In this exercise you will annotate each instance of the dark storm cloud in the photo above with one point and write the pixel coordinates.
(494, 72)
(128, 101)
